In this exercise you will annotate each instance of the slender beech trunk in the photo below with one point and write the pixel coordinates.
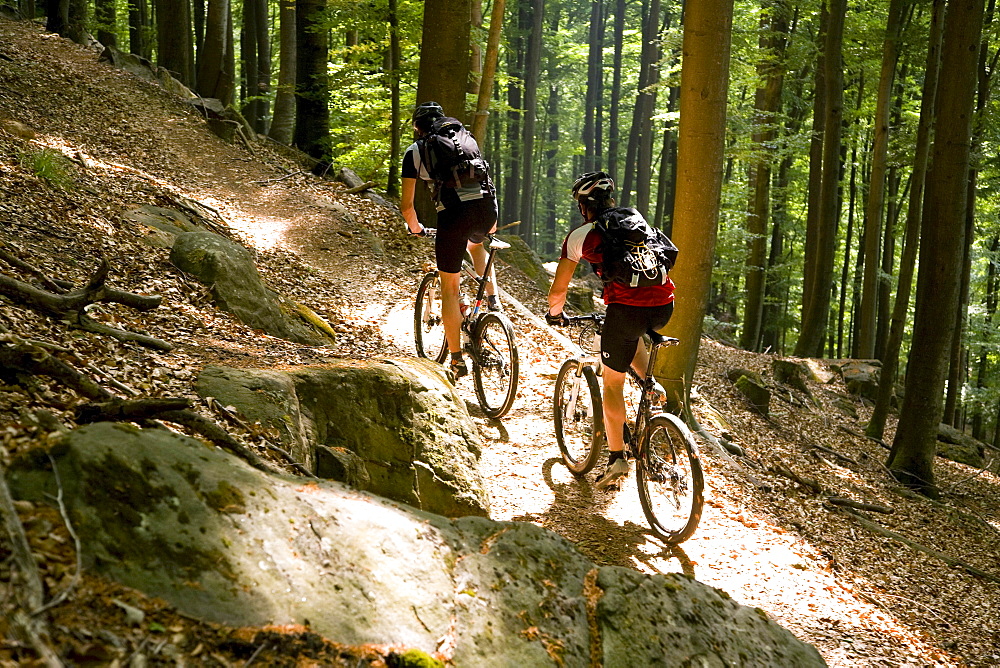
(911, 459)
(283, 120)
(911, 235)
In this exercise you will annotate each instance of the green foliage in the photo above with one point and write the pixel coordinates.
(50, 166)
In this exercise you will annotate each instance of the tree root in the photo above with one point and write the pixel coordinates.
(70, 306)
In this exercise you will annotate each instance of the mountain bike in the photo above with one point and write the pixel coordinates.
(487, 336)
(668, 469)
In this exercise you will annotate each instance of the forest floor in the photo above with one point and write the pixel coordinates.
(863, 598)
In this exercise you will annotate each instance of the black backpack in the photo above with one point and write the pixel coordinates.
(451, 155)
(634, 252)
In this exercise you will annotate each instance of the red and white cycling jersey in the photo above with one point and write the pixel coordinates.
(584, 243)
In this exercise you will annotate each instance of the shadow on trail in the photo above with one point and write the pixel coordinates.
(578, 514)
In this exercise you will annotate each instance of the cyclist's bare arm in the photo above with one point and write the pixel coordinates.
(560, 285)
(406, 206)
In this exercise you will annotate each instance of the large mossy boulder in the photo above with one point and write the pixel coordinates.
(394, 428)
(222, 541)
(522, 257)
(229, 271)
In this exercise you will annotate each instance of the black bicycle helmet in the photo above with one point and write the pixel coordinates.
(593, 187)
(425, 113)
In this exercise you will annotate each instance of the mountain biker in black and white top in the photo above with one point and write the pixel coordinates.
(631, 311)
(466, 215)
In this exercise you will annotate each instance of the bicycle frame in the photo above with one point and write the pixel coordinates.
(469, 269)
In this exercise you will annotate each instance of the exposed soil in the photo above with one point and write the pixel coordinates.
(862, 598)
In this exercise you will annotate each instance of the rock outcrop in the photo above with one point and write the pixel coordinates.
(222, 541)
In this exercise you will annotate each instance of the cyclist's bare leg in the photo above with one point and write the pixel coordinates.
(614, 408)
(641, 359)
(450, 313)
(479, 257)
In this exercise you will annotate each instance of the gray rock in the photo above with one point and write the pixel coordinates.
(230, 272)
(861, 377)
(959, 447)
(394, 428)
(222, 541)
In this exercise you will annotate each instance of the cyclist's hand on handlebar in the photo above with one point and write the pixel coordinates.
(558, 320)
(424, 232)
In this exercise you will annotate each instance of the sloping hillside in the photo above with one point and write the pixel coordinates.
(83, 144)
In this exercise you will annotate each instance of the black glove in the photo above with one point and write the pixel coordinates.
(558, 320)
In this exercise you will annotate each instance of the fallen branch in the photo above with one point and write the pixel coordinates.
(786, 472)
(127, 410)
(218, 436)
(860, 505)
(281, 178)
(866, 437)
(836, 454)
(232, 417)
(28, 596)
(31, 359)
(70, 306)
(951, 561)
(360, 188)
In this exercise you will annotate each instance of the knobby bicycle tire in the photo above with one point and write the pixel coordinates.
(495, 364)
(670, 479)
(578, 414)
(428, 325)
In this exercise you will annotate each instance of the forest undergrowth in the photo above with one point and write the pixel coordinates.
(82, 144)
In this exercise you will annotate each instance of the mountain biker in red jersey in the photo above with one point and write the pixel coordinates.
(630, 313)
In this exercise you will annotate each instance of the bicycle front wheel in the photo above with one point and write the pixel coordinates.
(670, 479)
(428, 324)
(579, 416)
(495, 364)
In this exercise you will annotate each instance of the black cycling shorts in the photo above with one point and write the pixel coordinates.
(470, 221)
(624, 325)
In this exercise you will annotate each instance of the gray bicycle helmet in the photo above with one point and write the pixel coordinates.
(593, 187)
(425, 114)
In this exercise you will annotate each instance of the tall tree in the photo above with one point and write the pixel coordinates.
(138, 22)
(312, 113)
(767, 101)
(531, 75)
(614, 129)
(104, 17)
(512, 175)
(595, 85)
(214, 78)
(444, 55)
(395, 120)
(911, 459)
(816, 309)
(637, 164)
(700, 152)
(174, 45)
(875, 207)
(283, 119)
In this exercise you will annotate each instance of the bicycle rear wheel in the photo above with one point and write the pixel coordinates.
(670, 479)
(428, 325)
(495, 364)
(578, 415)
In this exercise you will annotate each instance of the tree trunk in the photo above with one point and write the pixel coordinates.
(312, 116)
(595, 85)
(700, 152)
(644, 154)
(104, 17)
(283, 120)
(444, 55)
(515, 70)
(911, 238)
(395, 119)
(911, 459)
(767, 101)
(816, 314)
(175, 50)
(57, 16)
(614, 130)
(876, 190)
(138, 20)
(489, 70)
(213, 78)
(531, 75)
(262, 87)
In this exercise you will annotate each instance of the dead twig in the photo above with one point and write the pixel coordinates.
(75, 580)
(836, 454)
(232, 417)
(282, 178)
(360, 188)
(786, 472)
